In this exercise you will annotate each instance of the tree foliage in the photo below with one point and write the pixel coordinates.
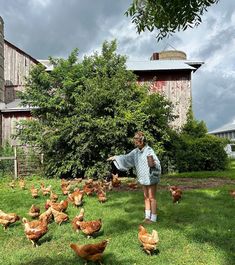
(193, 127)
(192, 149)
(88, 110)
(167, 16)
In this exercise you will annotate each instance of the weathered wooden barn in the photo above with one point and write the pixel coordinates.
(15, 65)
(167, 72)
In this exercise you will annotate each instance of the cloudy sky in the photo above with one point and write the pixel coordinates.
(44, 28)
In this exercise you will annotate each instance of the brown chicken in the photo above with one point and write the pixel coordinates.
(59, 217)
(65, 189)
(101, 196)
(132, 185)
(90, 252)
(8, 218)
(116, 182)
(58, 206)
(12, 184)
(54, 197)
(148, 241)
(34, 211)
(34, 230)
(46, 216)
(77, 219)
(232, 193)
(22, 184)
(76, 197)
(64, 182)
(34, 192)
(75, 181)
(89, 228)
(45, 190)
(88, 189)
(176, 194)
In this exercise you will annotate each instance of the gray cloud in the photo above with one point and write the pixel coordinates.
(214, 98)
(60, 26)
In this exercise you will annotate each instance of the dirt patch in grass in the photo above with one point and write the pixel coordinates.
(184, 183)
(192, 183)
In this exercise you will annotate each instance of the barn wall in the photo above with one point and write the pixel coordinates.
(176, 87)
(9, 124)
(1, 59)
(16, 68)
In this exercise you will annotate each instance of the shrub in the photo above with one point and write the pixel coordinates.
(198, 154)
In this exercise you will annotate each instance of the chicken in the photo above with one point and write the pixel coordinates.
(64, 182)
(76, 197)
(58, 206)
(8, 218)
(34, 211)
(89, 228)
(46, 216)
(133, 185)
(176, 193)
(101, 196)
(54, 197)
(22, 184)
(90, 252)
(232, 193)
(65, 189)
(77, 219)
(59, 217)
(45, 190)
(116, 182)
(89, 182)
(34, 192)
(65, 186)
(148, 241)
(34, 230)
(75, 181)
(88, 189)
(12, 184)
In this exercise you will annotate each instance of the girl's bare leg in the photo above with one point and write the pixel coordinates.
(152, 189)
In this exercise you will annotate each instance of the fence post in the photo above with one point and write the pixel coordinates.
(15, 163)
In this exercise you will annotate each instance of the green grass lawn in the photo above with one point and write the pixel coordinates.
(199, 230)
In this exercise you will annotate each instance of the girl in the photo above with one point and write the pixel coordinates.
(148, 170)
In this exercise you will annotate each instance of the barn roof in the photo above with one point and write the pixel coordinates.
(160, 65)
(21, 51)
(150, 65)
(14, 106)
(225, 128)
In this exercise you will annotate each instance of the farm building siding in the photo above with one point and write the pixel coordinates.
(1, 60)
(16, 68)
(175, 86)
(9, 120)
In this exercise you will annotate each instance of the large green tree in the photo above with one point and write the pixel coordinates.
(168, 16)
(88, 110)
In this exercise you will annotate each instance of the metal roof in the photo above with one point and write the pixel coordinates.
(47, 64)
(225, 128)
(150, 65)
(14, 106)
(153, 65)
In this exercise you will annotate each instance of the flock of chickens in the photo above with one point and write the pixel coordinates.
(54, 210)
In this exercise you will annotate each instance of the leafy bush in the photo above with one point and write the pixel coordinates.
(87, 111)
(204, 153)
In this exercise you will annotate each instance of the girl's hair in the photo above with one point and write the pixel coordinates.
(141, 136)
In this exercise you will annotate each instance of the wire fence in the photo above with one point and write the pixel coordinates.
(20, 161)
